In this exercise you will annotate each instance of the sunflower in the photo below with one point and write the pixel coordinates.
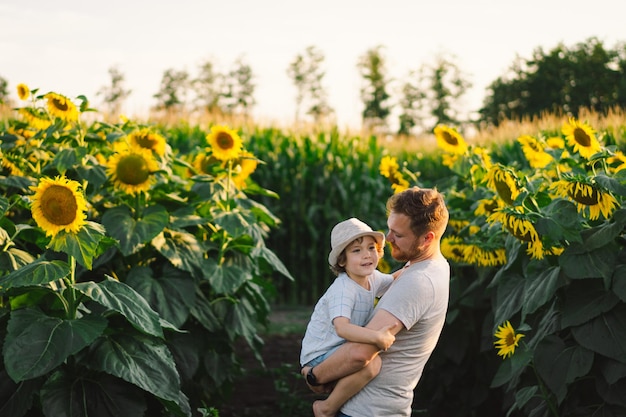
(23, 92)
(388, 166)
(147, 139)
(398, 183)
(61, 107)
(452, 248)
(131, 170)
(555, 142)
(476, 255)
(36, 118)
(503, 181)
(618, 158)
(534, 152)
(243, 167)
(9, 168)
(507, 341)
(58, 205)
(450, 140)
(588, 196)
(487, 206)
(204, 164)
(225, 143)
(581, 137)
(449, 159)
(518, 224)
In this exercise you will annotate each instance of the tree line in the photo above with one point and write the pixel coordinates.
(564, 79)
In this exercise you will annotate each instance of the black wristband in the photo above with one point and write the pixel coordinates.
(310, 378)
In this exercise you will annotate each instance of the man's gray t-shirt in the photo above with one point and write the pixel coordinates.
(419, 299)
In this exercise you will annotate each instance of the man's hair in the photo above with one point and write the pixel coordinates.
(342, 257)
(424, 206)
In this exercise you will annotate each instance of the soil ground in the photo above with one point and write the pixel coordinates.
(278, 389)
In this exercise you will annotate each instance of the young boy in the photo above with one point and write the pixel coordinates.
(345, 307)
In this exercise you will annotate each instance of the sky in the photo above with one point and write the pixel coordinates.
(68, 46)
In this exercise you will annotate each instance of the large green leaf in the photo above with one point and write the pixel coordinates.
(36, 343)
(203, 312)
(559, 365)
(561, 222)
(84, 245)
(225, 279)
(619, 282)
(132, 233)
(541, 289)
(141, 360)
(37, 273)
(99, 395)
(509, 297)
(172, 294)
(272, 260)
(121, 298)
(578, 261)
(17, 398)
(606, 334)
(181, 249)
(584, 300)
(512, 367)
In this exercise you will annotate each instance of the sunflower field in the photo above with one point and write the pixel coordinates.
(135, 256)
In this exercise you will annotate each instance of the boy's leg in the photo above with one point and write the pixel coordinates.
(346, 387)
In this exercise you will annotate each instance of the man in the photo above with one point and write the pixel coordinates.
(418, 300)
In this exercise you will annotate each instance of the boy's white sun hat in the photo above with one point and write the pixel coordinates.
(347, 231)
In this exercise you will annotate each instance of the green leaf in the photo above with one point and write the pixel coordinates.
(20, 396)
(171, 295)
(37, 273)
(578, 262)
(98, 395)
(512, 367)
(561, 222)
(120, 297)
(523, 396)
(225, 279)
(585, 300)
(606, 334)
(134, 234)
(141, 360)
(203, 312)
(36, 343)
(541, 289)
(82, 245)
(509, 297)
(611, 184)
(272, 260)
(619, 282)
(559, 365)
(181, 249)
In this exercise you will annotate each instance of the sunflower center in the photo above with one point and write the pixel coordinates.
(146, 141)
(510, 339)
(504, 191)
(58, 205)
(132, 170)
(60, 104)
(581, 137)
(587, 198)
(224, 140)
(452, 140)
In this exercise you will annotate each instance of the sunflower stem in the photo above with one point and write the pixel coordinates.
(544, 392)
(72, 307)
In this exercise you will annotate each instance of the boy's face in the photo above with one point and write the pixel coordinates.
(361, 257)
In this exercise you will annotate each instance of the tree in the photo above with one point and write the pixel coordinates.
(239, 89)
(307, 76)
(114, 94)
(173, 90)
(4, 93)
(374, 94)
(562, 80)
(411, 99)
(207, 87)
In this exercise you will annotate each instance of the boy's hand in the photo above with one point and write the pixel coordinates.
(386, 336)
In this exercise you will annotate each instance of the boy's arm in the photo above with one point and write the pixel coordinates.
(382, 338)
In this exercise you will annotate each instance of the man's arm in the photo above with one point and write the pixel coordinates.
(351, 356)
(382, 338)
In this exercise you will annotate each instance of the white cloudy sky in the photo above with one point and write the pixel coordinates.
(67, 46)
